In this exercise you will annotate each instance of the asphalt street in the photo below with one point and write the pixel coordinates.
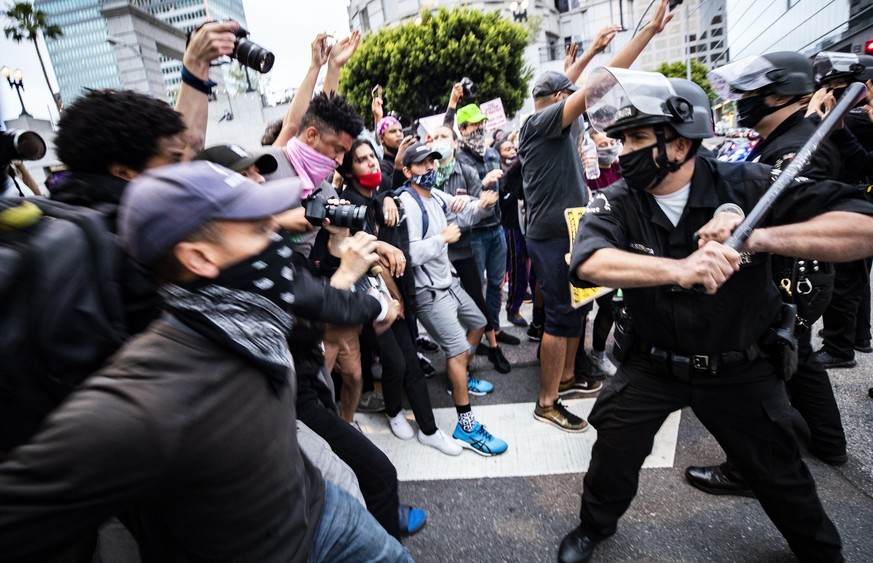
(492, 519)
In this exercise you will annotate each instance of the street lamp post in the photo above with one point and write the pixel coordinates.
(18, 83)
(519, 10)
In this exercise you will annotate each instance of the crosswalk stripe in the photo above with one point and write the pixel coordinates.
(535, 448)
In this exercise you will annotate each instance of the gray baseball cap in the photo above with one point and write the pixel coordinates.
(164, 205)
(550, 82)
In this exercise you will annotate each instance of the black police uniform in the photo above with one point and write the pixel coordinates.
(702, 351)
(859, 126)
(847, 318)
(810, 389)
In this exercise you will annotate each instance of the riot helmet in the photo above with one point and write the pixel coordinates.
(785, 73)
(619, 100)
(749, 81)
(830, 66)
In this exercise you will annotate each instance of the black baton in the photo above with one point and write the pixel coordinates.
(848, 100)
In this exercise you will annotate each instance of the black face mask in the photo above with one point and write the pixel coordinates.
(268, 274)
(752, 110)
(639, 169)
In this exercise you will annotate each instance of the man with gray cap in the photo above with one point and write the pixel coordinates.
(553, 181)
(189, 430)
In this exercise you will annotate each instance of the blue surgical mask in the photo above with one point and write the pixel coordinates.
(427, 181)
(444, 148)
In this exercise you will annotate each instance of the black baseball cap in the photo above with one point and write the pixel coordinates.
(238, 159)
(550, 82)
(418, 152)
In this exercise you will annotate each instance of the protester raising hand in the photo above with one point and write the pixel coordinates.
(340, 54)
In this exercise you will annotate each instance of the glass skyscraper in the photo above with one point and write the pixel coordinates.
(83, 59)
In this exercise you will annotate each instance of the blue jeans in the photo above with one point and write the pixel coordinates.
(347, 532)
(489, 249)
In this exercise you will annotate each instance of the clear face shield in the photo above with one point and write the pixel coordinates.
(617, 95)
(731, 81)
(829, 66)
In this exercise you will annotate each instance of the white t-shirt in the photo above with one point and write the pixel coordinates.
(673, 204)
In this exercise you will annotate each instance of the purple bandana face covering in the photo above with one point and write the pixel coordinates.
(312, 166)
(384, 124)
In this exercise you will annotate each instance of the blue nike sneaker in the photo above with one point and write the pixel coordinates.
(479, 440)
(477, 387)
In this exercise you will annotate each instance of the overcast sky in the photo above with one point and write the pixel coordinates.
(287, 29)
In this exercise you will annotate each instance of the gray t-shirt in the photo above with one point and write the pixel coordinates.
(300, 242)
(551, 172)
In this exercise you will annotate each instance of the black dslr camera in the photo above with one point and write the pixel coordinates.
(251, 54)
(316, 209)
(470, 90)
(20, 145)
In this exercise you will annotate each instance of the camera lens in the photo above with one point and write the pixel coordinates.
(351, 216)
(253, 55)
(21, 145)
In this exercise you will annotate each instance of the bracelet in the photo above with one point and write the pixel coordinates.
(204, 86)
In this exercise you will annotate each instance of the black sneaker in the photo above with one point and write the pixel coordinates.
(481, 349)
(829, 361)
(496, 357)
(863, 346)
(505, 338)
(425, 344)
(426, 365)
(534, 332)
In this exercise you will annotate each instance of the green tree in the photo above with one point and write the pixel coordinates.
(698, 74)
(418, 64)
(27, 23)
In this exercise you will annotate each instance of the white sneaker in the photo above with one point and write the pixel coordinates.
(601, 363)
(400, 427)
(440, 441)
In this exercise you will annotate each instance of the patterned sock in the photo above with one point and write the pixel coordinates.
(465, 417)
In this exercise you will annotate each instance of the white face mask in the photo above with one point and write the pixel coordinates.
(607, 155)
(444, 148)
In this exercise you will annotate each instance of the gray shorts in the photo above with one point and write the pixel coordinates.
(448, 314)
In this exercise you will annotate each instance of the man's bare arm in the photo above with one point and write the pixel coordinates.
(212, 40)
(710, 267)
(573, 68)
(300, 103)
(339, 56)
(629, 53)
(836, 236)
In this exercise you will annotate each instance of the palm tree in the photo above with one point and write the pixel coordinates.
(27, 23)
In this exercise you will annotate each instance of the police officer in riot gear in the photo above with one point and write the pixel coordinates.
(700, 310)
(835, 71)
(847, 319)
(770, 91)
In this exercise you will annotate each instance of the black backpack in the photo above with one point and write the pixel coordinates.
(60, 307)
